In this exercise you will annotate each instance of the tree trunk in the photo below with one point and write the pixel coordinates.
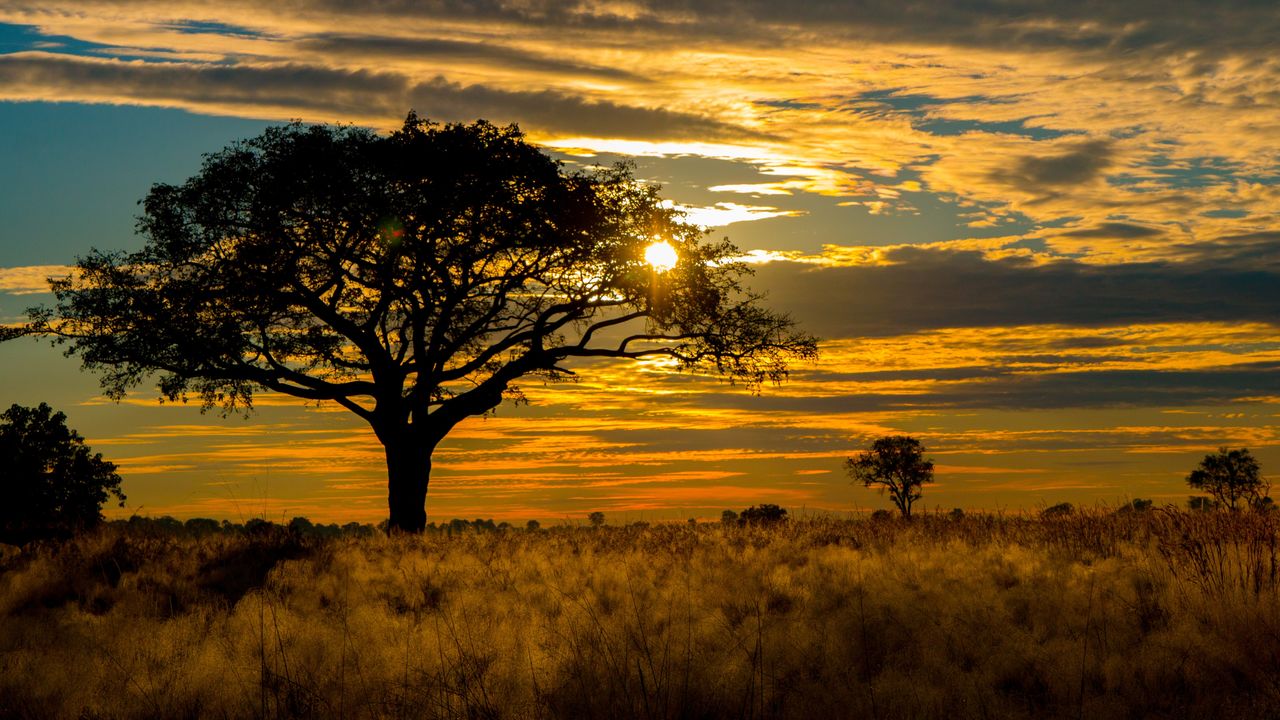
(408, 472)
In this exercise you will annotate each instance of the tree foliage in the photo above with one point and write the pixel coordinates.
(1233, 478)
(894, 464)
(413, 279)
(53, 483)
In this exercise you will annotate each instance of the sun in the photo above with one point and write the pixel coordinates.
(661, 256)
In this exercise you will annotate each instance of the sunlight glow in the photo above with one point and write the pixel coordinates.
(661, 256)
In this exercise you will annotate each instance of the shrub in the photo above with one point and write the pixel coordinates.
(1057, 511)
(764, 514)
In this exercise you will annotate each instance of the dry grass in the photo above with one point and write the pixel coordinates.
(1156, 614)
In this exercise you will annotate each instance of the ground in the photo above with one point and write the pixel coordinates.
(1096, 614)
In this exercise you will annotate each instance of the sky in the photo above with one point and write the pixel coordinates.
(1041, 237)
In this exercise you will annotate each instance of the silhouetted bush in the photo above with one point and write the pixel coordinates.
(764, 514)
(1136, 505)
(199, 527)
(1057, 511)
(1201, 503)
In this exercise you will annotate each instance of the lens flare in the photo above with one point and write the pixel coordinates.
(661, 256)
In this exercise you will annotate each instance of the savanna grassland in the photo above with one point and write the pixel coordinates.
(1093, 615)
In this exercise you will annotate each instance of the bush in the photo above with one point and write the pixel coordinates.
(765, 514)
(1058, 511)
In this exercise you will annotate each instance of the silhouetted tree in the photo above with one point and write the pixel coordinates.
(956, 514)
(412, 279)
(1136, 505)
(596, 519)
(764, 514)
(728, 517)
(301, 526)
(1201, 503)
(355, 529)
(201, 526)
(532, 525)
(1231, 477)
(52, 482)
(895, 464)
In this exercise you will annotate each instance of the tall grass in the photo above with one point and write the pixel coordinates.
(1155, 614)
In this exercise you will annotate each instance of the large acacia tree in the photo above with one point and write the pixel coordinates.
(412, 278)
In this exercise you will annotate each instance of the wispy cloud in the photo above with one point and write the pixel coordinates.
(30, 279)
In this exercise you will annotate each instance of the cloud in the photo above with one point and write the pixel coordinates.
(917, 288)
(365, 47)
(1107, 230)
(30, 279)
(368, 95)
(1082, 163)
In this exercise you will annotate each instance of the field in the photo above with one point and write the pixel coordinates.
(1092, 615)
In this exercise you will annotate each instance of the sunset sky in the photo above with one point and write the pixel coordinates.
(1041, 237)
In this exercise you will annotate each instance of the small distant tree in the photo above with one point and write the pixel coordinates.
(301, 526)
(1136, 505)
(1058, 511)
(1231, 477)
(895, 464)
(53, 483)
(596, 519)
(956, 514)
(202, 526)
(729, 517)
(1200, 503)
(532, 525)
(765, 514)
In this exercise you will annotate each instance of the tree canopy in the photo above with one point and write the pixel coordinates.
(1231, 477)
(53, 483)
(895, 464)
(411, 278)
